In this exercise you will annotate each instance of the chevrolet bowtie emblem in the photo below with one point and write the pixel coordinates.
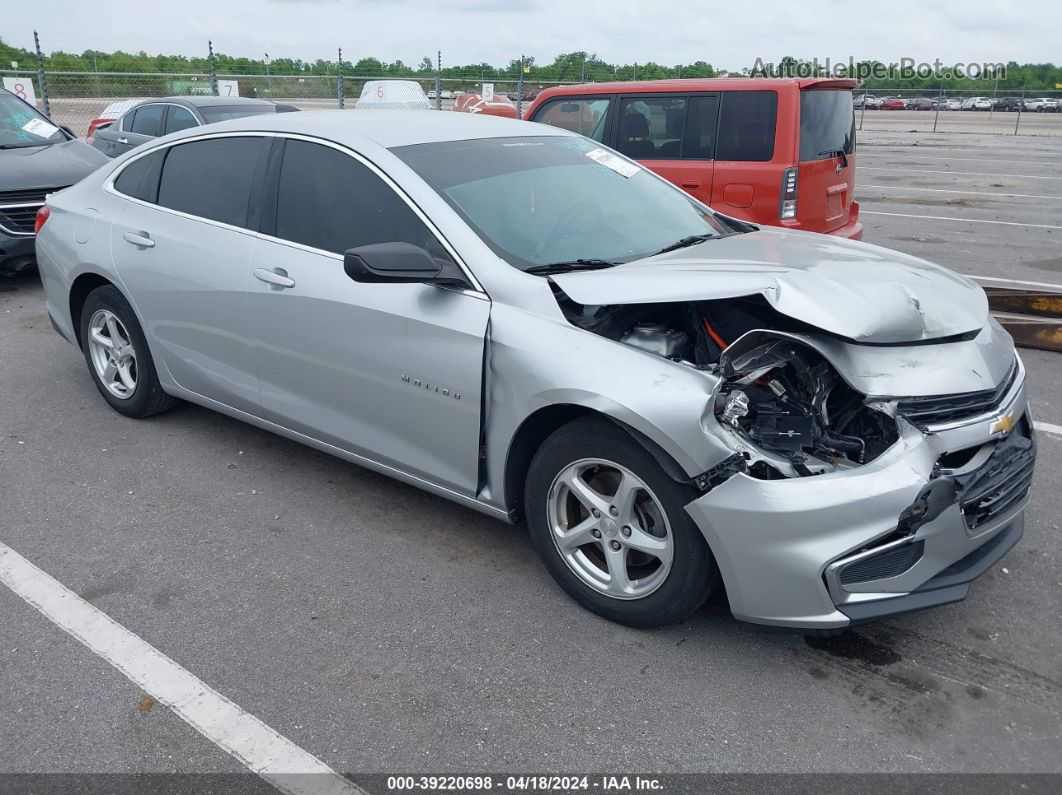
(1003, 425)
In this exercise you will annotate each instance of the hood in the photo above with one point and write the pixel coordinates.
(855, 290)
(52, 166)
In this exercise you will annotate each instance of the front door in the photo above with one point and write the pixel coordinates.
(391, 372)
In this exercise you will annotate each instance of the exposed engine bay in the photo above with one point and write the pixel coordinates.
(791, 413)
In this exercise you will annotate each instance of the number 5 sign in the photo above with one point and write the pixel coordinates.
(21, 87)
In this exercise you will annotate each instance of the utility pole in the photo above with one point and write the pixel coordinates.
(40, 75)
(520, 90)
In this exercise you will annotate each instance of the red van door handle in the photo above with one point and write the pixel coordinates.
(690, 184)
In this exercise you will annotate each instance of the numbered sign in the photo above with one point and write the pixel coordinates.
(488, 92)
(228, 88)
(22, 87)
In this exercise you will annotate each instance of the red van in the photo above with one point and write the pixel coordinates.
(769, 151)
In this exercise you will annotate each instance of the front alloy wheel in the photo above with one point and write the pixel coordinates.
(610, 528)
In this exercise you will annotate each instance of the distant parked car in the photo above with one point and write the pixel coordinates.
(970, 102)
(527, 96)
(110, 113)
(920, 103)
(980, 103)
(154, 117)
(1007, 104)
(866, 100)
(37, 157)
(947, 103)
(894, 103)
(393, 95)
(1042, 105)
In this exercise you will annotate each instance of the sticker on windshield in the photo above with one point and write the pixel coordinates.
(611, 161)
(40, 127)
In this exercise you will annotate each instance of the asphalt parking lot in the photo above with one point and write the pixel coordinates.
(384, 630)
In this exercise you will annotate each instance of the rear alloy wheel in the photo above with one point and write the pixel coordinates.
(611, 527)
(118, 357)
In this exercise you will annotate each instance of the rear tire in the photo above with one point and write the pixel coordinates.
(642, 561)
(118, 358)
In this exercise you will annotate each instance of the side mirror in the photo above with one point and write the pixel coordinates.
(398, 263)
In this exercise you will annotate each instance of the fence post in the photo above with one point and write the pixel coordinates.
(438, 80)
(863, 110)
(1021, 106)
(40, 76)
(339, 80)
(520, 90)
(940, 98)
(213, 70)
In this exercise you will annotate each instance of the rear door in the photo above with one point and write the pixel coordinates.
(138, 126)
(391, 372)
(182, 245)
(652, 129)
(827, 159)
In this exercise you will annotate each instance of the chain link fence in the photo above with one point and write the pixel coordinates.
(992, 110)
(75, 99)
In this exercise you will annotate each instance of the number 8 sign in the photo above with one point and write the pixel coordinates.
(21, 87)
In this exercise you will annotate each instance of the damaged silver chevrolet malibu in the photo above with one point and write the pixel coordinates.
(517, 319)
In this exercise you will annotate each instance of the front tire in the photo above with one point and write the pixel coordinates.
(118, 358)
(611, 527)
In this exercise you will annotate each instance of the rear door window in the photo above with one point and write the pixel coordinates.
(651, 128)
(147, 121)
(699, 141)
(827, 124)
(585, 116)
(328, 200)
(212, 178)
(179, 118)
(747, 125)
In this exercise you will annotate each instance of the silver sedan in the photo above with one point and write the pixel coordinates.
(520, 320)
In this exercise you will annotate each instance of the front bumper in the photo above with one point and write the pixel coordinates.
(787, 548)
(16, 252)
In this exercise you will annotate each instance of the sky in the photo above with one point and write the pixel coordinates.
(728, 35)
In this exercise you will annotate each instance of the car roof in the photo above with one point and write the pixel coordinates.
(389, 128)
(699, 84)
(202, 101)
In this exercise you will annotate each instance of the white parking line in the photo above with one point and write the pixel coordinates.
(965, 192)
(265, 752)
(920, 156)
(953, 173)
(960, 220)
(1048, 427)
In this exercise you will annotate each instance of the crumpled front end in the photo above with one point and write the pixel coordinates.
(906, 531)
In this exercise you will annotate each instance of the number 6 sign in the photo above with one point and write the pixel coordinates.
(21, 87)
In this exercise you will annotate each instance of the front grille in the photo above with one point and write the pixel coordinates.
(1003, 482)
(940, 409)
(891, 563)
(19, 219)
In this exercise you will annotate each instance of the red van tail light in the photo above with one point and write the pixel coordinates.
(788, 206)
(43, 215)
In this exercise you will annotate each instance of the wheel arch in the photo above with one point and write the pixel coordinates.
(540, 424)
(79, 293)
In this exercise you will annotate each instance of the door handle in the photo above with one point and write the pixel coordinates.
(277, 277)
(123, 140)
(141, 239)
(690, 184)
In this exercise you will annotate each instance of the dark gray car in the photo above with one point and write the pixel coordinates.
(155, 117)
(37, 157)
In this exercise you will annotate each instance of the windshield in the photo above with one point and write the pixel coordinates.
(827, 124)
(538, 201)
(213, 113)
(21, 125)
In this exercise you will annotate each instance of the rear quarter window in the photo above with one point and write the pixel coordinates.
(747, 124)
(140, 179)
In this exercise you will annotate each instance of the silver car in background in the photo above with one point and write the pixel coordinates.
(520, 320)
